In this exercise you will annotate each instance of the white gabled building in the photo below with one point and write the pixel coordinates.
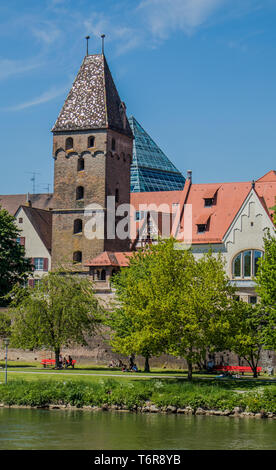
(36, 237)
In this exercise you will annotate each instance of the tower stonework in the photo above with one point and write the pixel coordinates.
(92, 148)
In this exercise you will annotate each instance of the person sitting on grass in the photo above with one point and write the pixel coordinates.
(70, 362)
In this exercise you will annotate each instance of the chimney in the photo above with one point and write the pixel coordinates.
(28, 200)
(189, 175)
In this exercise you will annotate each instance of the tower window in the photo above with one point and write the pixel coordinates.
(91, 141)
(113, 144)
(77, 226)
(80, 164)
(69, 143)
(79, 193)
(117, 195)
(77, 257)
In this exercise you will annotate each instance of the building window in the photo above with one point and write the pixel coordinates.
(79, 192)
(201, 228)
(252, 299)
(103, 275)
(21, 241)
(208, 202)
(117, 195)
(39, 264)
(77, 226)
(245, 264)
(20, 220)
(77, 257)
(80, 164)
(137, 215)
(113, 144)
(69, 143)
(91, 141)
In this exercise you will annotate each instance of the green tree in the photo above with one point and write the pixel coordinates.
(61, 310)
(248, 333)
(145, 298)
(5, 325)
(169, 302)
(14, 267)
(201, 320)
(266, 288)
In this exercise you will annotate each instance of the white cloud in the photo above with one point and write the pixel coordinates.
(9, 67)
(43, 98)
(165, 16)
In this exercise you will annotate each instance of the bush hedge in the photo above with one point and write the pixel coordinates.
(138, 393)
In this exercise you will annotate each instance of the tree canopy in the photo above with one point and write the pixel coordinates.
(14, 267)
(60, 311)
(169, 302)
(266, 288)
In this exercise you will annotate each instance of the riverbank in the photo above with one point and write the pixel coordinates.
(232, 398)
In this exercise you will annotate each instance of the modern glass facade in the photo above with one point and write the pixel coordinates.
(151, 170)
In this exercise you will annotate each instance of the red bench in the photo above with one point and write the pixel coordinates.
(52, 363)
(241, 369)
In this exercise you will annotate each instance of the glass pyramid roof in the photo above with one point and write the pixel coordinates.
(151, 169)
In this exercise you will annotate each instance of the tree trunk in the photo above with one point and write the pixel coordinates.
(57, 353)
(190, 370)
(147, 367)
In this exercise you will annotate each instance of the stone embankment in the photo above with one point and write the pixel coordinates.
(149, 407)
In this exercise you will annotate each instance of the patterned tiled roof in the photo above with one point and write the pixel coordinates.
(93, 101)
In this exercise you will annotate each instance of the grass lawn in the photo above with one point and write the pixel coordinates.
(35, 371)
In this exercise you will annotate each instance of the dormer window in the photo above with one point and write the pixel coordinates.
(201, 228)
(69, 143)
(203, 223)
(91, 141)
(208, 202)
(210, 196)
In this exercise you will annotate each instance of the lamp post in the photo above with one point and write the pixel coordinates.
(6, 341)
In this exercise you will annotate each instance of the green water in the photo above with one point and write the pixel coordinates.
(84, 430)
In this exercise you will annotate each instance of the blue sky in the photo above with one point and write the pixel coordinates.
(199, 75)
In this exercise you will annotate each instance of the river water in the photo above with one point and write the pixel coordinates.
(84, 430)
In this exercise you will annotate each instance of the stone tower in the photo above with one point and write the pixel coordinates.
(92, 148)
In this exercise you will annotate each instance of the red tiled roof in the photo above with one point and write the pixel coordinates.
(109, 258)
(11, 202)
(230, 197)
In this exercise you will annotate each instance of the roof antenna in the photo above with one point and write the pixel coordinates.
(87, 39)
(103, 36)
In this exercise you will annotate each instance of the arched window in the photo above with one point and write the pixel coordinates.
(80, 164)
(245, 264)
(69, 143)
(79, 192)
(77, 257)
(91, 141)
(103, 275)
(113, 144)
(77, 226)
(117, 195)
